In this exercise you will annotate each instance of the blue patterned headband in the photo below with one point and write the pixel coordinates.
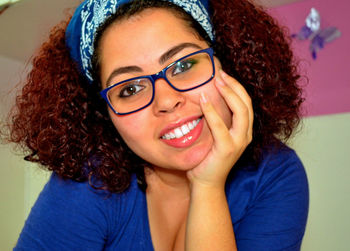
(91, 14)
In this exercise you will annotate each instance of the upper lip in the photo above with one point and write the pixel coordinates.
(178, 123)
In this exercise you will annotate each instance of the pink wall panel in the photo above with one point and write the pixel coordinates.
(328, 90)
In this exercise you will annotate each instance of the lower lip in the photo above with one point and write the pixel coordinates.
(188, 139)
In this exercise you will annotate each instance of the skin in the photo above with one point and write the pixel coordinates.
(185, 185)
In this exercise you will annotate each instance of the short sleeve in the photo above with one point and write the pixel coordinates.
(276, 214)
(67, 216)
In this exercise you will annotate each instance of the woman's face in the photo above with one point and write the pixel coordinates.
(138, 43)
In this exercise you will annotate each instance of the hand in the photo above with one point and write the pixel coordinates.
(228, 143)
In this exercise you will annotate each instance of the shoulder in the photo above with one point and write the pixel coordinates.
(68, 194)
(68, 214)
(279, 167)
(282, 172)
(76, 199)
(270, 203)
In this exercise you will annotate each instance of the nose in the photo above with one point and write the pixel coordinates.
(166, 98)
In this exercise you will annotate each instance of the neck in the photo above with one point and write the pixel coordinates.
(161, 179)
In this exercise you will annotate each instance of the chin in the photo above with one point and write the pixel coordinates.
(193, 158)
(183, 162)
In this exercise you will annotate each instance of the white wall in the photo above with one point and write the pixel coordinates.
(324, 147)
(11, 166)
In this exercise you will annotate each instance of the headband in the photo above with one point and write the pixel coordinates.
(89, 15)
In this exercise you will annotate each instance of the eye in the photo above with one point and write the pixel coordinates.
(130, 89)
(183, 66)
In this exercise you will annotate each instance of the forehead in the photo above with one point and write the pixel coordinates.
(160, 22)
(143, 38)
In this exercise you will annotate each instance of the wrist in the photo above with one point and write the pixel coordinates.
(200, 188)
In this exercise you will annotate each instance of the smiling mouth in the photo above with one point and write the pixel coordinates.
(181, 130)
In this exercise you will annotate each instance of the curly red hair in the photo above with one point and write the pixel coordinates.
(63, 124)
(254, 49)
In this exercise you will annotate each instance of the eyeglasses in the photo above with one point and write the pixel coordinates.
(185, 74)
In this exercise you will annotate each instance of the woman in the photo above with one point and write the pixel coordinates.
(173, 157)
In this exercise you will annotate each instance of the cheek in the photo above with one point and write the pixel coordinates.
(129, 127)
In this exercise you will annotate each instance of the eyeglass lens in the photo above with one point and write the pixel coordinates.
(184, 74)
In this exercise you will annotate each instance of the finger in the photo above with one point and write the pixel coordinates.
(240, 118)
(244, 96)
(241, 91)
(236, 86)
(216, 125)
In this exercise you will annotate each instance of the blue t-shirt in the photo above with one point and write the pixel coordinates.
(268, 208)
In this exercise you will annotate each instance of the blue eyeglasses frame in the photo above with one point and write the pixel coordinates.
(160, 75)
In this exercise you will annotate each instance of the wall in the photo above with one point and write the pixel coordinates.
(20, 181)
(323, 144)
(12, 178)
(328, 90)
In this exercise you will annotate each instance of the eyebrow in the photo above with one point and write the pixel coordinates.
(122, 70)
(176, 49)
(163, 58)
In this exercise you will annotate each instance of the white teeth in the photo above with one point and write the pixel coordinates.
(178, 133)
(185, 129)
(181, 131)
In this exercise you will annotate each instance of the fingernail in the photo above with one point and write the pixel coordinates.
(223, 74)
(204, 98)
(219, 81)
